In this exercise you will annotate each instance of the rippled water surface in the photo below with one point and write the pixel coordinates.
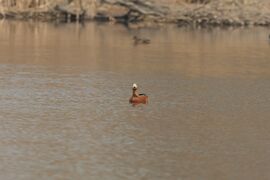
(64, 111)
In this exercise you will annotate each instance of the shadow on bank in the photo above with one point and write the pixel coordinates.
(143, 13)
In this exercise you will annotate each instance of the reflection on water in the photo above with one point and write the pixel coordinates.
(64, 108)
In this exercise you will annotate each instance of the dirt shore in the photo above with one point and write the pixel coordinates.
(143, 12)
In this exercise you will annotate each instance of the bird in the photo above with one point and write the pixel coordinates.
(137, 98)
(138, 40)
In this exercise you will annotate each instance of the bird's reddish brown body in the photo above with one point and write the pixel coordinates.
(137, 98)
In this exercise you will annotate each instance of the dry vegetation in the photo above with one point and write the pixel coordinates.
(183, 12)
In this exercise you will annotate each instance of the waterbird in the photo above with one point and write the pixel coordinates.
(138, 40)
(137, 98)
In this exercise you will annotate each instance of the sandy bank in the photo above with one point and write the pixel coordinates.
(143, 12)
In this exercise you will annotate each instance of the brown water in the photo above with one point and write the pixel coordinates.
(64, 111)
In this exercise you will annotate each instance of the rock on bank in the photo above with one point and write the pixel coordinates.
(182, 12)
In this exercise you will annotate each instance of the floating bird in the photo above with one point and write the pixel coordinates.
(138, 40)
(137, 98)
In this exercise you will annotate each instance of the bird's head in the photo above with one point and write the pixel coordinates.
(134, 86)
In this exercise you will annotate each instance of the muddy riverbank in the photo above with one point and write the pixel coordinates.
(142, 13)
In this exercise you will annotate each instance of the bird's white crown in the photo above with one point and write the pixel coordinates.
(135, 86)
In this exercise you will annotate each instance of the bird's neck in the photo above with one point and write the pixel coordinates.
(134, 93)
